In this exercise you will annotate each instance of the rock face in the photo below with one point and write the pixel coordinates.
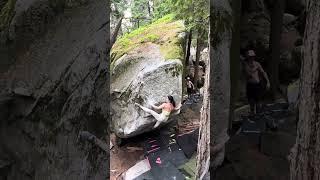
(145, 74)
(55, 87)
(293, 93)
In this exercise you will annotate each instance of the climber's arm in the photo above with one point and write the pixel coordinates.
(157, 107)
(178, 107)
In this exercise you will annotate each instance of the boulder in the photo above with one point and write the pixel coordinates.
(60, 73)
(289, 67)
(145, 73)
(255, 28)
(293, 93)
(288, 19)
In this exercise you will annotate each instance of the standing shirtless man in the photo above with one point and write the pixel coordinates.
(254, 84)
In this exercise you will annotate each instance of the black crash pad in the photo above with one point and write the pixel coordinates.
(188, 143)
(177, 157)
(166, 171)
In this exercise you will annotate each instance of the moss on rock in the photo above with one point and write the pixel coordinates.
(163, 32)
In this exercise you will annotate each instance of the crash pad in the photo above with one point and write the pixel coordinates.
(137, 170)
(188, 143)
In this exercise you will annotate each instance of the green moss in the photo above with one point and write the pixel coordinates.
(150, 38)
(7, 13)
(172, 49)
(162, 32)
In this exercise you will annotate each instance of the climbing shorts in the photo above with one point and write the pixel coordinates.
(254, 91)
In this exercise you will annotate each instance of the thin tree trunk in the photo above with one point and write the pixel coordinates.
(203, 158)
(149, 9)
(116, 31)
(235, 59)
(196, 67)
(305, 155)
(215, 110)
(274, 46)
(188, 48)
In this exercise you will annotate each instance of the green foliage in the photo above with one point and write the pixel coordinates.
(195, 13)
(118, 7)
(7, 13)
(140, 12)
(163, 32)
(162, 8)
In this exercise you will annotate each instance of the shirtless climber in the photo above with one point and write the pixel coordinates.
(254, 82)
(167, 108)
(190, 87)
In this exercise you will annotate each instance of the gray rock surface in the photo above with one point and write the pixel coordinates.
(60, 59)
(288, 18)
(145, 78)
(293, 93)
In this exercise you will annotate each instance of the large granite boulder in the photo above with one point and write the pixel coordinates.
(146, 68)
(55, 86)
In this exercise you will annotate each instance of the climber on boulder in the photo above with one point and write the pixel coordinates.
(167, 108)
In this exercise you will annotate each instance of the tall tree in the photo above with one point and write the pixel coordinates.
(198, 54)
(277, 11)
(187, 57)
(235, 58)
(215, 109)
(305, 156)
(116, 31)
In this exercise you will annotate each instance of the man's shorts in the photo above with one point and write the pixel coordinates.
(189, 90)
(254, 91)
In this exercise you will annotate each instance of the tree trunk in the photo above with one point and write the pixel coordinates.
(220, 80)
(116, 31)
(188, 48)
(149, 9)
(203, 158)
(277, 12)
(234, 59)
(305, 155)
(198, 53)
(215, 110)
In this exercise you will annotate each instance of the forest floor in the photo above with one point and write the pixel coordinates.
(132, 151)
(259, 146)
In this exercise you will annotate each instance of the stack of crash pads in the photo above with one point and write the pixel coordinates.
(169, 156)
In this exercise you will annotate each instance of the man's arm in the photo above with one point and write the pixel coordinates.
(264, 73)
(192, 85)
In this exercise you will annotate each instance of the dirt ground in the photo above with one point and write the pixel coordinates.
(122, 158)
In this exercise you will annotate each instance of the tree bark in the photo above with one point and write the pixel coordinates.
(305, 155)
(215, 110)
(188, 48)
(235, 59)
(198, 53)
(277, 12)
(116, 31)
(149, 9)
(220, 80)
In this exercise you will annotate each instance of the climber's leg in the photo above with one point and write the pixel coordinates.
(157, 124)
(157, 116)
